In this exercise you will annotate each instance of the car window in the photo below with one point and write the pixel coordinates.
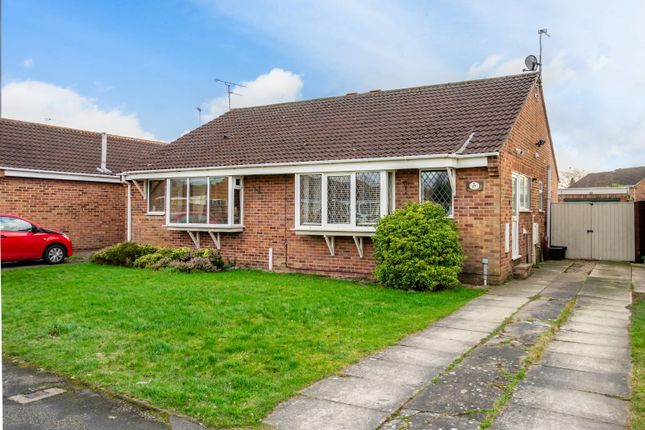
(8, 223)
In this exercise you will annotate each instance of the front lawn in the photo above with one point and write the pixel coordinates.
(638, 363)
(224, 348)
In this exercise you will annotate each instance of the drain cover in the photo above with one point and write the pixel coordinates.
(23, 399)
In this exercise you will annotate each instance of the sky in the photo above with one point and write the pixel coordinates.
(143, 68)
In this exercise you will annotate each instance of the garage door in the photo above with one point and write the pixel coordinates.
(597, 231)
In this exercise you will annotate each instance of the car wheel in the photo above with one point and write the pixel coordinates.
(55, 254)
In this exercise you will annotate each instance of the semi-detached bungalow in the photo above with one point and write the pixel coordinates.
(67, 179)
(299, 186)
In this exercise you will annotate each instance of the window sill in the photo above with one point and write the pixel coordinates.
(334, 231)
(516, 257)
(526, 211)
(237, 228)
(155, 213)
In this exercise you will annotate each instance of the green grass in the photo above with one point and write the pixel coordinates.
(224, 348)
(638, 362)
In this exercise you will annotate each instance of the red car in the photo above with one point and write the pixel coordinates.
(21, 239)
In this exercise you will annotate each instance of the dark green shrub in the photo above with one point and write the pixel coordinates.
(122, 254)
(417, 248)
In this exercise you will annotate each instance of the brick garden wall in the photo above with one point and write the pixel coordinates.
(585, 197)
(91, 213)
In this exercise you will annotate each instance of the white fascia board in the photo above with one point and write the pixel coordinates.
(417, 162)
(62, 176)
(594, 190)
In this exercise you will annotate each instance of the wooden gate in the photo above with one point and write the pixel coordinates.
(595, 231)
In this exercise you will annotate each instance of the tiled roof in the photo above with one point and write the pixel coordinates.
(28, 145)
(435, 119)
(628, 176)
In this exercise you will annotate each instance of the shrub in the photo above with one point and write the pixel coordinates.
(148, 260)
(122, 254)
(417, 248)
(132, 254)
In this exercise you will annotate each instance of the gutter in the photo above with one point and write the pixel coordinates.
(52, 174)
(336, 164)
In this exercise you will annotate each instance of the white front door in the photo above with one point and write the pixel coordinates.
(515, 218)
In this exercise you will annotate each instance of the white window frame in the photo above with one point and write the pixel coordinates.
(541, 196)
(232, 186)
(351, 226)
(147, 189)
(523, 190)
(452, 177)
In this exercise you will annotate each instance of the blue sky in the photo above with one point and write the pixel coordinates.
(142, 67)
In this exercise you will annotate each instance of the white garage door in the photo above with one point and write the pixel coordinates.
(597, 231)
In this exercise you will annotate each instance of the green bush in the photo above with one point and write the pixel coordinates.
(417, 248)
(182, 260)
(148, 260)
(122, 254)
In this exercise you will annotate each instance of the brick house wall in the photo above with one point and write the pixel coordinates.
(93, 214)
(269, 219)
(530, 127)
(639, 191)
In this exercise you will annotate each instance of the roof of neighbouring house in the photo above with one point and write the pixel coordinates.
(28, 145)
(428, 120)
(627, 176)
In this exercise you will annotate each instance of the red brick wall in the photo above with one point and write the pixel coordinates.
(570, 197)
(91, 213)
(477, 214)
(530, 127)
(639, 191)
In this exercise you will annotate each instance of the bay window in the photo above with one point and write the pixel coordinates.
(156, 196)
(343, 201)
(205, 201)
(437, 186)
(178, 201)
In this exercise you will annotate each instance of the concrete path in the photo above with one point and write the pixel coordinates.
(37, 400)
(583, 379)
(364, 395)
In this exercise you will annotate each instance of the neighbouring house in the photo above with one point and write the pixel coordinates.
(299, 186)
(620, 185)
(68, 179)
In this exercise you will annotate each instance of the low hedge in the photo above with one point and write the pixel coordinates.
(417, 248)
(132, 254)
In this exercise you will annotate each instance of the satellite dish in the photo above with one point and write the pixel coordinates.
(531, 63)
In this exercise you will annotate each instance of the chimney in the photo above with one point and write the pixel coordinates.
(103, 168)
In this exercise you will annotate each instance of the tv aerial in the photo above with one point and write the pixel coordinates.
(532, 62)
(228, 89)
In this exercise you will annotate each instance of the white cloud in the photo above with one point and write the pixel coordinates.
(277, 86)
(28, 63)
(38, 101)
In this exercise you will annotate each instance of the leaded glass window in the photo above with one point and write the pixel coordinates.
(436, 188)
(339, 199)
(368, 198)
(310, 199)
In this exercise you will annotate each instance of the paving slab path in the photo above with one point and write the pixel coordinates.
(365, 395)
(582, 381)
